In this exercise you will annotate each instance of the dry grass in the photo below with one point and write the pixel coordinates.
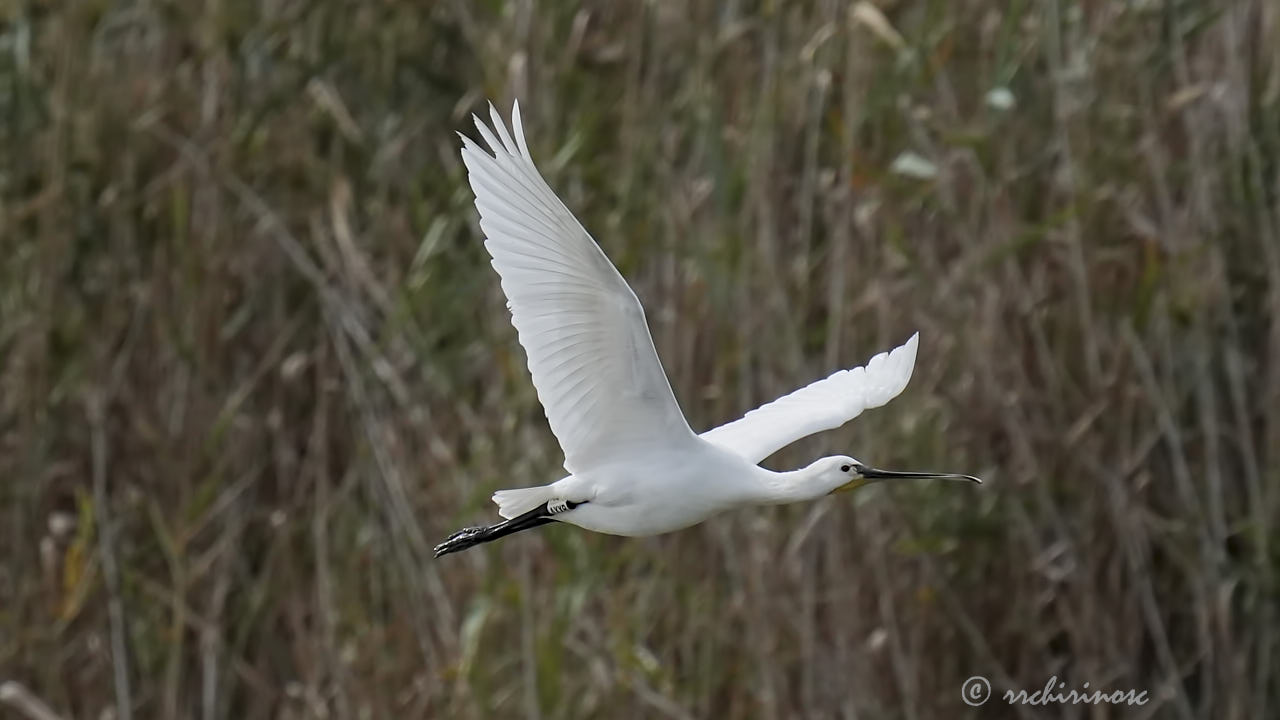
(255, 362)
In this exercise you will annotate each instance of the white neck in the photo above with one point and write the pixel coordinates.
(777, 488)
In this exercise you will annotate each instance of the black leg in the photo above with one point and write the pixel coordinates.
(472, 536)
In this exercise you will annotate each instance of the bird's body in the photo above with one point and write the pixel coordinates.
(636, 468)
(676, 490)
(671, 495)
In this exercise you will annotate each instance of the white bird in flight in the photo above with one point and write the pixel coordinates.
(635, 467)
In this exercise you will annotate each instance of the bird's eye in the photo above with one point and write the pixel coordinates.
(844, 468)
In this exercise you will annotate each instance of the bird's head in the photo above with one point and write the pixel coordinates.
(840, 473)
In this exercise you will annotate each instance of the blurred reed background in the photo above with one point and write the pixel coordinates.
(255, 363)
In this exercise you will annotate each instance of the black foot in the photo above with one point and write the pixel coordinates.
(461, 540)
(472, 536)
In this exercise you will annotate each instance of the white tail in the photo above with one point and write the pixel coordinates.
(513, 503)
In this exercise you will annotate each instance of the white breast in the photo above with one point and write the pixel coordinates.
(673, 496)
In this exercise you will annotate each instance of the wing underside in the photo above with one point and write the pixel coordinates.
(590, 353)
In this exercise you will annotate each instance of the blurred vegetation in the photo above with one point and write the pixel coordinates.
(255, 363)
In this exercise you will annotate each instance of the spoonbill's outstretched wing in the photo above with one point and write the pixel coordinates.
(592, 359)
(823, 405)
